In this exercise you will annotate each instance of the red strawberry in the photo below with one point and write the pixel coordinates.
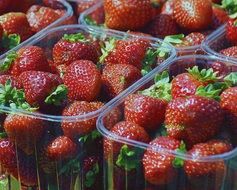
(21, 6)
(14, 82)
(220, 68)
(231, 31)
(113, 117)
(131, 15)
(193, 15)
(74, 47)
(193, 119)
(53, 4)
(116, 78)
(4, 5)
(158, 167)
(194, 38)
(219, 17)
(81, 127)
(19, 165)
(26, 131)
(230, 52)
(146, 111)
(16, 23)
(168, 8)
(61, 148)
(83, 80)
(39, 85)
(228, 98)
(162, 25)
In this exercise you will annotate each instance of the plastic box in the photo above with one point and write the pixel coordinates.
(83, 19)
(116, 177)
(68, 12)
(59, 182)
(216, 42)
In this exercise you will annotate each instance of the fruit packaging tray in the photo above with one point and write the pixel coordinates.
(60, 175)
(131, 163)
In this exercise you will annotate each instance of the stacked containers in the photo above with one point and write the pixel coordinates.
(68, 173)
(125, 164)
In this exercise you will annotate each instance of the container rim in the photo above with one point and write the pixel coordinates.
(95, 30)
(115, 102)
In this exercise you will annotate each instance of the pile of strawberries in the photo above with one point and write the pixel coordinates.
(187, 114)
(81, 72)
(19, 20)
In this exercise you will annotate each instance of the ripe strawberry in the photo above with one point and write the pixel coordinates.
(113, 117)
(186, 119)
(4, 5)
(168, 8)
(193, 15)
(39, 85)
(146, 111)
(116, 78)
(230, 52)
(194, 38)
(26, 131)
(231, 31)
(74, 47)
(17, 164)
(14, 82)
(219, 17)
(53, 4)
(162, 25)
(220, 68)
(83, 80)
(125, 129)
(61, 148)
(130, 15)
(16, 23)
(78, 127)
(186, 84)
(228, 98)
(21, 6)
(158, 167)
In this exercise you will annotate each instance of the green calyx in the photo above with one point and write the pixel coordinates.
(90, 21)
(107, 48)
(231, 79)
(71, 167)
(230, 6)
(10, 41)
(129, 158)
(91, 176)
(161, 89)
(89, 138)
(79, 37)
(10, 58)
(174, 39)
(57, 96)
(204, 75)
(179, 162)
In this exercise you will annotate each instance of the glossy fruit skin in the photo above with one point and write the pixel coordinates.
(38, 85)
(231, 31)
(158, 167)
(148, 112)
(228, 98)
(66, 52)
(16, 23)
(113, 117)
(194, 38)
(83, 80)
(168, 8)
(61, 148)
(24, 130)
(185, 119)
(29, 58)
(124, 129)
(129, 15)
(193, 15)
(116, 78)
(14, 82)
(230, 51)
(219, 17)
(73, 129)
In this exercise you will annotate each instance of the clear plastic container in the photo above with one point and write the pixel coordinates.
(98, 8)
(115, 172)
(86, 146)
(217, 41)
(63, 4)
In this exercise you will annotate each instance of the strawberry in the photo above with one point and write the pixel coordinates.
(14, 82)
(231, 31)
(168, 8)
(186, 84)
(53, 4)
(230, 52)
(158, 167)
(74, 47)
(220, 68)
(17, 164)
(16, 23)
(116, 78)
(194, 38)
(193, 15)
(4, 5)
(39, 85)
(186, 119)
(228, 98)
(219, 17)
(61, 148)
(83, 80)
(26, 131)
(130, 15)
(21, 6)
(162, 25)
(113, 117)
(77, 128)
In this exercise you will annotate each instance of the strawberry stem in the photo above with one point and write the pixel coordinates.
(10, 58)
(91, 176)
(107, 48)
(79, 37)
(10, 41)
(57, 96)
(179, 162)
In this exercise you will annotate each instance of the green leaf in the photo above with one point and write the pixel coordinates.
(10, 58)
(91, 176)
(90, 137)
(162, 78)
(211, 91)
(3, 135)
(149, 60)
(90, 21)
(107, 48)
(203, 75)
(57, 96)
(72, 166)
(79, 37)
(128, 159)
(11, 41)
(178, 162)
(174, 39)
(230, 6)
(231, 79)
